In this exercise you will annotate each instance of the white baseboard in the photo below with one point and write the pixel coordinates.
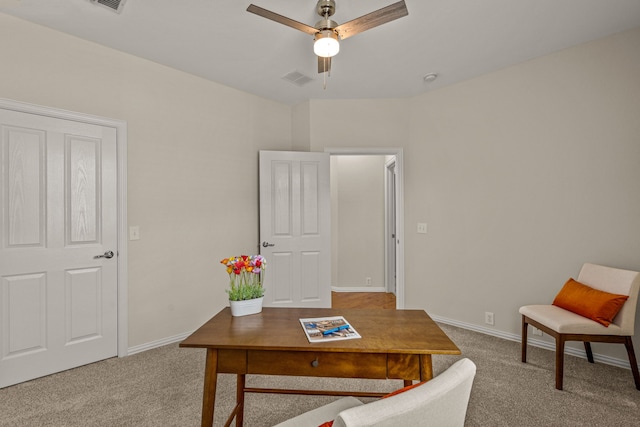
(608, 360)
(158, 343)
(358, 289)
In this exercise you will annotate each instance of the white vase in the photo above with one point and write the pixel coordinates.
(246, 307)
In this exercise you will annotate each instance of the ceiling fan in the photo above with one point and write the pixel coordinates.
(327, 33)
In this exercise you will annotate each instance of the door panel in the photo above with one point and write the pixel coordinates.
(295, 227)
(25, 177)
(58, 210)
(280, 285)
(82, 189)
(24, 315)
(282, 181)
(311, 288)
(310, 192)
(83, 317)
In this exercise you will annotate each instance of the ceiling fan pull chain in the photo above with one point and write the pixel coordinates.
(324, 75)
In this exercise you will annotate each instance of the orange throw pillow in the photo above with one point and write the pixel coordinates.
(589, 302)
(327, 424)
(402, 390)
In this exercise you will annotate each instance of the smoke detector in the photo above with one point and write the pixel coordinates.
(430, 77)
(114, 5)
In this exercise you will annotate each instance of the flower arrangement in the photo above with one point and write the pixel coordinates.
(245, 276)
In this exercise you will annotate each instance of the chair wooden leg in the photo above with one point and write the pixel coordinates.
(587, 348)
(632, 361)
(559, 361)
(524, 339)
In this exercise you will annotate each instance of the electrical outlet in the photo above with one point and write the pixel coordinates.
(537, 331)
(488, 318)
(367, 280)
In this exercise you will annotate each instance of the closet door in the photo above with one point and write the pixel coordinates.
(58, 245)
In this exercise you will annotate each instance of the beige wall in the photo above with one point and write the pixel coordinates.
(192, 151)
(522, 175)
(370, 123)
(300, 122)
(357, 205)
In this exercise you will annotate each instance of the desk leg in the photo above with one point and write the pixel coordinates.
(209, 393)
(240, 383)
(426, 367)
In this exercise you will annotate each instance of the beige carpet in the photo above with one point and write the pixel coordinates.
(163, 387)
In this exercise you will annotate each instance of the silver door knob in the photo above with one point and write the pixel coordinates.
(108, 254)
(267, 244)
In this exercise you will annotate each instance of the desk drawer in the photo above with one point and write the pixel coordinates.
(317, 364)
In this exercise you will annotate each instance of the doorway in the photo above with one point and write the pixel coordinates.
(367, 235)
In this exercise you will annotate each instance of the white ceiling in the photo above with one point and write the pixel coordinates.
(220, 41)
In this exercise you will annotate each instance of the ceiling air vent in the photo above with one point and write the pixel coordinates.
(114, 5)
(297, 78)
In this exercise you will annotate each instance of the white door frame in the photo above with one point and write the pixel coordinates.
(121, 148)
(397, 152)
(390, 223)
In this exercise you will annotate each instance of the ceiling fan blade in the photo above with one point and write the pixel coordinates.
(324, 64)
(281, 19)
(373, 19)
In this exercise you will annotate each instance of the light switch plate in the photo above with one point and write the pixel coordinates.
(134, 232)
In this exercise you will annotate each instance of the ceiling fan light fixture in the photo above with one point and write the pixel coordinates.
(326, 44)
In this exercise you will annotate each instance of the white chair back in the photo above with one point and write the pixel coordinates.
(440, 402)
(615, 281)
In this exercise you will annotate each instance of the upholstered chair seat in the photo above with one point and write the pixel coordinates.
(567, 322)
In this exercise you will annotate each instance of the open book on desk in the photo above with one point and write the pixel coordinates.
(322, 329)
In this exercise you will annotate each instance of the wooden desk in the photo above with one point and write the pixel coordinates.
(395, 344)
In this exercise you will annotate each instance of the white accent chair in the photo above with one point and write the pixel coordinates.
(440, 402)
(565, 325)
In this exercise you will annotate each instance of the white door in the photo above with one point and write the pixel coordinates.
(58, 211)
(295, 228)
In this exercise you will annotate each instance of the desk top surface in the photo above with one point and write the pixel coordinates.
(382, 331)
